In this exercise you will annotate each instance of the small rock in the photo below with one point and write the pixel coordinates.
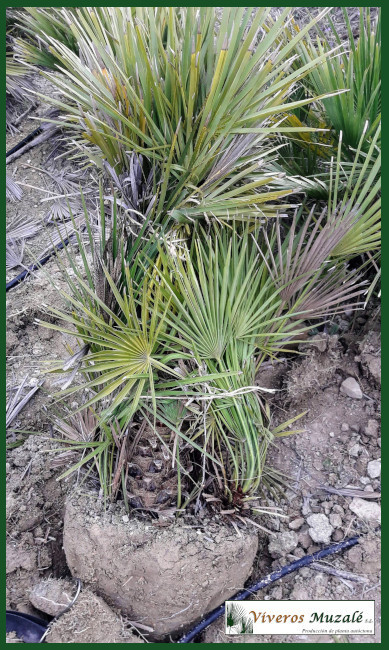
(125, 519)
(46, 333)
(306, 508)
(337, 536)
(343, 324)
(372, 428)
(355, 450)
(374, 468)
(52, 596)
(369, 511)
(351, 388)
(274, 524)
(320, 528)
(313, 549)
(355, 427)
(299, 593)
(297, 554)
(277, 593)
(320, 585)
(296, 523)
(304, 540)
(336, 520)
(374, 366)
(355, 555)
(364, 480)
(345, 426)
(332, 435)
(305, 572)
(283, 544)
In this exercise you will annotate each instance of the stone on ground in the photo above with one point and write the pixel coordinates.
(320, 528)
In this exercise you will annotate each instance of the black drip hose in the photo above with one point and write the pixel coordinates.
(25, 140)
(264, 582)
(34, 267)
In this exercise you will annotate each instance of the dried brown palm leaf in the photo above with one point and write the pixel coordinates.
(302, 266)
(14, 251)
(13, 191)
(22, 229)
(79, 428)
(18, 401)
(62, 209)
(66, 180)
(47, 133)
(65, 231)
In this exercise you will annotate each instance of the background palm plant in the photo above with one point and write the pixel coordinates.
(36, 24)
(17, 79)
(358, 69)
(185, 94)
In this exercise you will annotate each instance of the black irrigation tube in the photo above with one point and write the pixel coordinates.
(264, 582)
(25, 140)
(35, 267)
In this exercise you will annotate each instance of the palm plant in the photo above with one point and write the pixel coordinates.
(303, 156)
(174, 318)
(360, 200)
(194, 101)
(232, 310)
(217, 308)
(36, 24)
(357, 70)
(17, 81)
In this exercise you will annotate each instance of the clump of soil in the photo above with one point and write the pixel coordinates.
(162, 577)
(34, 506)
(321, 358)
(90, 620)
(52, 595)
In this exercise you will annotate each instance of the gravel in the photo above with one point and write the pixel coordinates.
(283, 544)
(369, 511)
(351, 388)
(374, 468)
(320, 528)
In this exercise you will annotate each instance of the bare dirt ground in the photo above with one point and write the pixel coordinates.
(331, 472)
(332, 467)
